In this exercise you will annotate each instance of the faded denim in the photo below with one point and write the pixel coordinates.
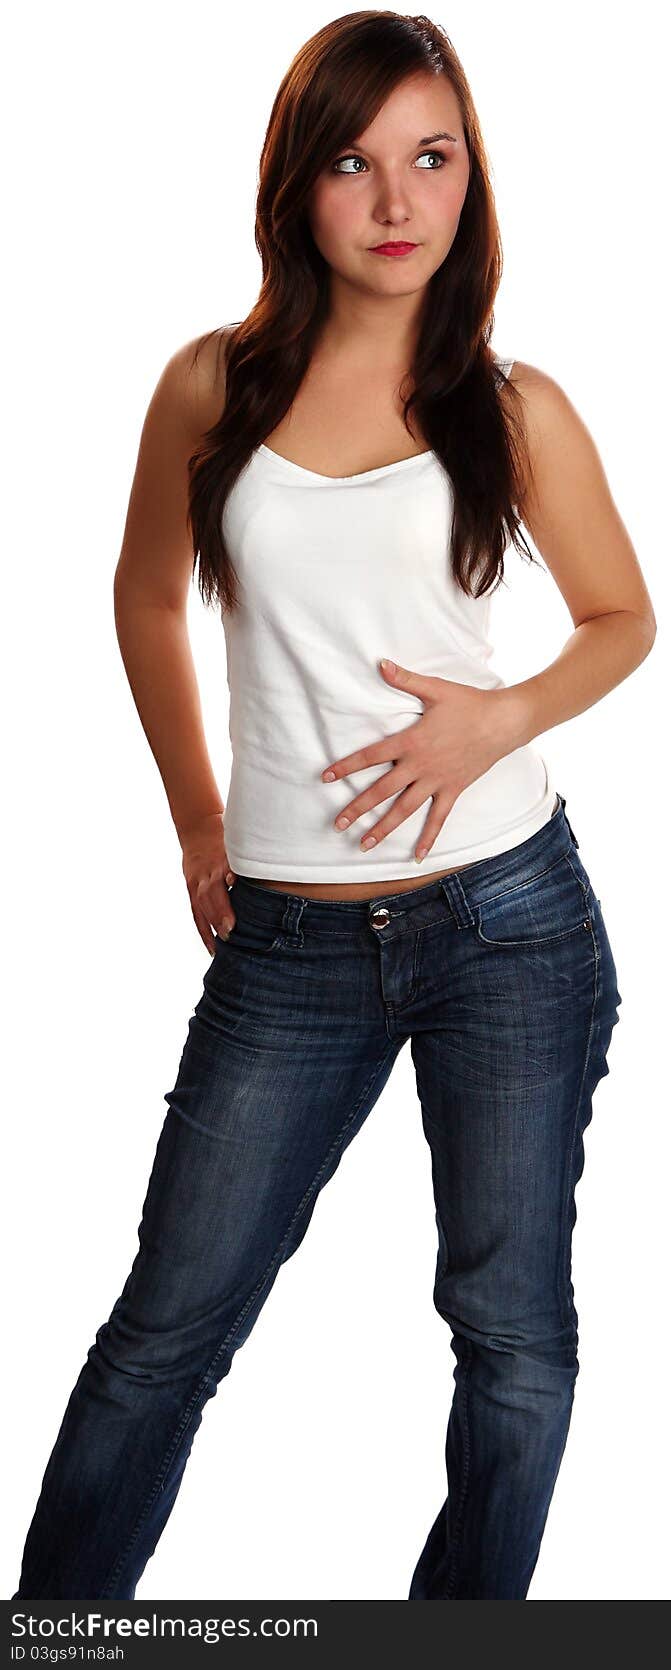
(501, 977)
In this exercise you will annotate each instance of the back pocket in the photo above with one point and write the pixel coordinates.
(544, 908)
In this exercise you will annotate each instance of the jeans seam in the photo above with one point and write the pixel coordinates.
(585, 885)
(549, 939)
(451, 1578)
(562, 1285)
(395, 1008)
(276, 1260)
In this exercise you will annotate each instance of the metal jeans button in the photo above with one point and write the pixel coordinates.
(380, 917)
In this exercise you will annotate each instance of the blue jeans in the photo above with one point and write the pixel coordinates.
(502, 978)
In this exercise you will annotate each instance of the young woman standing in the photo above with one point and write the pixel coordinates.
(334, 529)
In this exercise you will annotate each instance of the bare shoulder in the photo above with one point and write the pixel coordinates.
(551, 420)
(556, 438)
(156, 559)
(569, 508)
(195, 376)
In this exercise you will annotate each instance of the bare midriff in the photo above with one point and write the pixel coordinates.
(352, 889)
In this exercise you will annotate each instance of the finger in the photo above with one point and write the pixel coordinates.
(390, 783)
(439, 812)
(212, 901)
(205, 931)
(403, 808)
(387, 751)
(423, 685)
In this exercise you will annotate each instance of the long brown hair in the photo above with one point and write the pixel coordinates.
(331, 91)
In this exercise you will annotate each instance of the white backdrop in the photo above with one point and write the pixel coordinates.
(134, 133)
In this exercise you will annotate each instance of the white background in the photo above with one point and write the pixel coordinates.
(134, 133)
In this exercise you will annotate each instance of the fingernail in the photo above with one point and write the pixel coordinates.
(390, 666)
(370, 841)
(329, 777)
(420, 854)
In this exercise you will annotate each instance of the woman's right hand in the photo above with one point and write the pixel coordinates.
(207, 873)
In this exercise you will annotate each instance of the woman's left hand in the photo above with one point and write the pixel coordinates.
(462, 732)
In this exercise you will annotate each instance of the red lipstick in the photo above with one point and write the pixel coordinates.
(393, 249)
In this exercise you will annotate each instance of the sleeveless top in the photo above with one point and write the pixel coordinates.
(334, 573)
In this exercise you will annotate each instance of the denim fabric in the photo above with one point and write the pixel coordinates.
(501, 977)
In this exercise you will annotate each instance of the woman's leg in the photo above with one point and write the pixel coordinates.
(508, 1053)
(269, 1092)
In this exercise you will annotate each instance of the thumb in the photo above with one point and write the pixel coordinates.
(403, 678)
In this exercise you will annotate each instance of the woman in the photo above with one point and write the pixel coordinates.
(333, 533)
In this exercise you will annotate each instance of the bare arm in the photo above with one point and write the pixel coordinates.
(577, 529)
(151, 585)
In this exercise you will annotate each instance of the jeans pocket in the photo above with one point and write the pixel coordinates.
(537, 911)
(250, 935)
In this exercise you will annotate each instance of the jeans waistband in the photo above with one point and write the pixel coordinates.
(290, 913)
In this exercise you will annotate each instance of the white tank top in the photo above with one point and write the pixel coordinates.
(334, 573)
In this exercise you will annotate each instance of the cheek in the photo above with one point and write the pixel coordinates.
(446, 205)
(334, 217)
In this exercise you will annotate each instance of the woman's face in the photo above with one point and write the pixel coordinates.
(398, 182)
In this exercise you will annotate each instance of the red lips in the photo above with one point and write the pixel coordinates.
(392, 248)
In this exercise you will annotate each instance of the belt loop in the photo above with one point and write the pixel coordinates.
(291, 930)
(457, 901)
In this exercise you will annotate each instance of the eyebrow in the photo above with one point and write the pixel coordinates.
(429, 140)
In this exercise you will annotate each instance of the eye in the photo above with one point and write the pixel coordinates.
(441, 158)
(336, 169)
